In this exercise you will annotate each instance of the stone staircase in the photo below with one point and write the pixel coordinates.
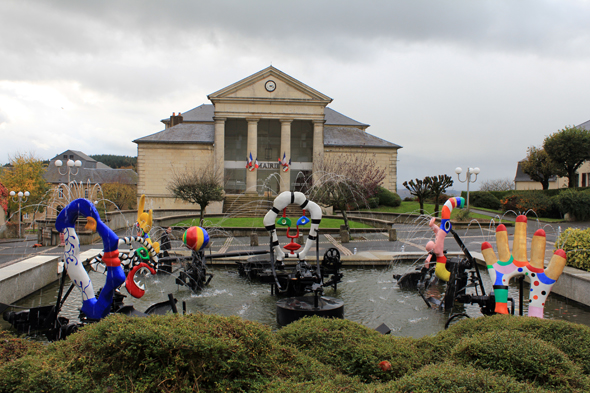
(254, 206)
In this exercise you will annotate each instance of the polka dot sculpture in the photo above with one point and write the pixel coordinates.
(509, 265)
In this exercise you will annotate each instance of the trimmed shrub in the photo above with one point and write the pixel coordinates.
(388, 198)
(571, 338)
(163, 353)
(450, 378)
(351, 348)
(576, 243)
(521, 356)
(13, 348)
(576, 203)
(486, 200)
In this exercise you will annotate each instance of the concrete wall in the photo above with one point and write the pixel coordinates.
(385, 158)
(157, 163)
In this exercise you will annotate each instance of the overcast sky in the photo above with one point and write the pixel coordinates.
(456, 83)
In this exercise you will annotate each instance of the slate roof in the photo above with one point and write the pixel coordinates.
(585, 125)
(351, 136)
(521, 176)
(205, 113)
(334, 118)
(95, 175)
(182, 133)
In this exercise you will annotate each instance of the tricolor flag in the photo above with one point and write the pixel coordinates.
(256, 165)
(284, 162)
(249, 163)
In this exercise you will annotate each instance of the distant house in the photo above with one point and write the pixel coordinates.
(523, 181)
(83, 180)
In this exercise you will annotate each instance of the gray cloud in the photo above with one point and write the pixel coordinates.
(456, 83)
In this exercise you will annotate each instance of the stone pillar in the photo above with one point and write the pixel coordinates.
(219, 147)
(285, 148)
(318, 144)
(251, 176)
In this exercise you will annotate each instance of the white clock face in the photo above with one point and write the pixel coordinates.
(270, 85)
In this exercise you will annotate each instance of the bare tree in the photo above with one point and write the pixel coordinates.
(420, 190)
(438, 185)
(200, 186)
(497, 185)
(345, 182)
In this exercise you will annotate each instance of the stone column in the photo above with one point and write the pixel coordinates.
(219, 147)
(251, 176)
(285, 148)
(318, 144)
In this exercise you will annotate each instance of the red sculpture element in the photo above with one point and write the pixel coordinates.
(292, 246)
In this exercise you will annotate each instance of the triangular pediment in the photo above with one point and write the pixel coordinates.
(270, 84)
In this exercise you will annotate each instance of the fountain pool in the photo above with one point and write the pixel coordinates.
(371, 297)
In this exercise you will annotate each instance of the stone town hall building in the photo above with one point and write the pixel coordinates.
(267, 115)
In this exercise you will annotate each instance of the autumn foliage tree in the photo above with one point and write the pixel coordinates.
(124, 196)
(25, 173)
(198, 185)
(345, 182)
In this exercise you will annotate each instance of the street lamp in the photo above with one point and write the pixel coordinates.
(470, 171)
(20, 200)
(70, 164)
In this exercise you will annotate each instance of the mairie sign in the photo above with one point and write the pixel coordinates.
(269, 165)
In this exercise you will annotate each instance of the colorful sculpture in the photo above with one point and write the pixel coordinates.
(110, 257)
(144, 223)
(92, 307)
(270, 220)
(195, 238)
(508, 266)
(437, 246)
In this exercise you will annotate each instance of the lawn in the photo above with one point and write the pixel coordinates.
(412, 207)
(256, 222)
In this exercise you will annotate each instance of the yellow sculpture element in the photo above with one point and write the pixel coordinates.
(144, 223)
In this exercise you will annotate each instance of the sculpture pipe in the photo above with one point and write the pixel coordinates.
(92, 307)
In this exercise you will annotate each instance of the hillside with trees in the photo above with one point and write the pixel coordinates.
(116, 162)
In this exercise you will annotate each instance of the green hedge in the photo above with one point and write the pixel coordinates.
(575, 203)
(486, 200)
(388, 198)
(210, 353)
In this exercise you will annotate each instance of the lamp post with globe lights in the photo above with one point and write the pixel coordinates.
(20, 201)
(70, 164)
(470, 171)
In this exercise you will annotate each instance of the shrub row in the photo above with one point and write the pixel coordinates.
(548, 203)
(206, 353)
